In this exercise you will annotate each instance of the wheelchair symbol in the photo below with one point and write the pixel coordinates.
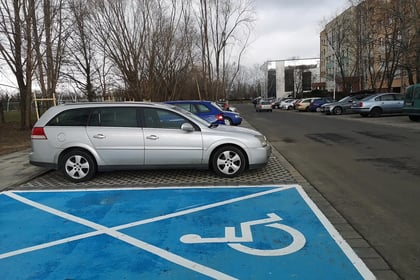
(235, 241)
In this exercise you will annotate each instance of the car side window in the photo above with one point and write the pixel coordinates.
(185, 107)
(387, 97)
(417, 93)
(202, 108)
(114, 117)
(74, 117)
(159, 118)
(399, 97)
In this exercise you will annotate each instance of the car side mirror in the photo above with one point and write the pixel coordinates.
(187, 127)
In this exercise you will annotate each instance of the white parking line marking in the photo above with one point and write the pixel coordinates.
(133, 241)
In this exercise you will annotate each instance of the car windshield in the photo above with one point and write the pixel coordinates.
(217, 106)
(344, 99)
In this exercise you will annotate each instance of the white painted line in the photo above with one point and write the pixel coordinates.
(348, 251)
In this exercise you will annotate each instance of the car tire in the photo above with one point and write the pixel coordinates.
(228, 121)
(337, 111)
(228, 161)
(78, 165)
(414, 118)
(376, 112)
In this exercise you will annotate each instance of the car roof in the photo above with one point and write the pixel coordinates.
(189, 101)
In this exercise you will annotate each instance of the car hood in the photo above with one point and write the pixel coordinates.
(236, 129)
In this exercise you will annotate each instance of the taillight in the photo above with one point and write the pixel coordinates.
(219, 117)
(38, 133)
(360, 104)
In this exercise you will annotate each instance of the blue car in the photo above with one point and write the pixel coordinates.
(209, 111)
(315, 105)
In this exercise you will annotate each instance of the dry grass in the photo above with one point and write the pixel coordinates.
(13, 138)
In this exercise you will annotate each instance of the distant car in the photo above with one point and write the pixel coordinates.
(294, 103)
(209, 111)
(342, 106)
(412, 102)
(276, 104)
(80, 139)
(287, 104)
(379, 104)
(224, 104)
(303, 104)
(264, 105)
(315, 105)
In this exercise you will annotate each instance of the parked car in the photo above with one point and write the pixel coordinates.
(209, 111)
(315, 104)
(81, 139)
(264, 105)
(276, 104)
(303, 104)
(378, 104)
(294, 103)
(286, 104)
(342, 106)
(412, 102)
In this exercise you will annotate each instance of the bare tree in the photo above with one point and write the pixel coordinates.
(50, 33)
(387, 40)
(81, 59)
(409, 38)
(16, 49)
(121, 29)
(222, 23)
(169, 48)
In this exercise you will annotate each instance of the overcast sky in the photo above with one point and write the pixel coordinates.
(290, 28)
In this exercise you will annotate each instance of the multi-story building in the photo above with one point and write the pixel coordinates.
(293, 77)
(373, 45)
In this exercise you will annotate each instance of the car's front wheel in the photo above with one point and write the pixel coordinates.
(337, 111)
(228, 121)
(78, 166)
(228, 161)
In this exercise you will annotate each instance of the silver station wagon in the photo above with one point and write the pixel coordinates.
(81, 139)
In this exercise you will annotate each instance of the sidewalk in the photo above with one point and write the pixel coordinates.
(15, 169)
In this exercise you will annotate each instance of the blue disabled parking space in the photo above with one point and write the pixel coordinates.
(245, 232)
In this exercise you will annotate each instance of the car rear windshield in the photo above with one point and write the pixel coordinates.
(72, 117)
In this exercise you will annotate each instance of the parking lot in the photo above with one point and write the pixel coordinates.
(278, 172)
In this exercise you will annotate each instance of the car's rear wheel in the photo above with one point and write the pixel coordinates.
(337, 111)
(78, 166)
(228, 161)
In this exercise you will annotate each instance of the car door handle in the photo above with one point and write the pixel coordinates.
(152, 137)
(99, 136)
